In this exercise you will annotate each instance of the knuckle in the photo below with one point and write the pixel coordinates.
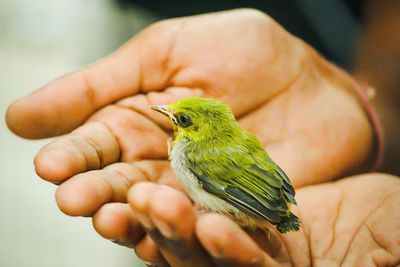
(86, 147)
(92, 151)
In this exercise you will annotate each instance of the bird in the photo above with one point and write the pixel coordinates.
(224, 168)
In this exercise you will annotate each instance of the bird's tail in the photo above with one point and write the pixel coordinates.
(289, 223)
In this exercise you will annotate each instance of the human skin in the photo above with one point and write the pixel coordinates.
(351, 222)
(300, 107)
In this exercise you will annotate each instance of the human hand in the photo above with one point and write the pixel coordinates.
(278, 87)
(297, 104)
(352, 222)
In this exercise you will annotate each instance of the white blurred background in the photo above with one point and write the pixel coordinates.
(39, 41)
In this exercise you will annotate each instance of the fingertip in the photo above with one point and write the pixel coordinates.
(212, 226)
(38, 115)
(171, 203)
(56, 164)
(54, 109)
(18, 120)
(138, 195)
(226, 241)
(173, 213)
(10, 118)
(213, 234)
(115, 221)
(77, 197)
(110, 221)
(147, 250)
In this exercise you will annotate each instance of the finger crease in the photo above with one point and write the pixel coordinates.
(97, 149)
(90, 92)
(126, 181)
(110, 185)
(116, 137)
(84, 148)
(143, 172)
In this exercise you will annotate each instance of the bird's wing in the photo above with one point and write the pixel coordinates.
(248, 181)
(287, 186)
(248, 202)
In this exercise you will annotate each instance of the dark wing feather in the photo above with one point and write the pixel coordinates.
(238, 198)
(287, 186)
(245, 177)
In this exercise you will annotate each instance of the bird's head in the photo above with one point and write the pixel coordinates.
(199, 118)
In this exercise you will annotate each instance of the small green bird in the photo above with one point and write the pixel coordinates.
(224, 168)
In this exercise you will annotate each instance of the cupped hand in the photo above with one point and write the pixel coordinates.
(353, 222)
(300, 107)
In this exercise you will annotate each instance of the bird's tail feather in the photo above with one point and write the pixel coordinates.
(289, 223)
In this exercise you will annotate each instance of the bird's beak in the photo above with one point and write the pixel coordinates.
(163, 109)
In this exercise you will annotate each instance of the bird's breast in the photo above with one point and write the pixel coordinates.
(181, 167)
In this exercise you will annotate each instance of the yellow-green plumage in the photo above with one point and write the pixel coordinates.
(224, 168)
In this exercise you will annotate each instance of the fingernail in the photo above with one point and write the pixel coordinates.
(145, 220)
(164, 228)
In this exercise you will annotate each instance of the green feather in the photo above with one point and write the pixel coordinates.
(241, 175)
(230, 162)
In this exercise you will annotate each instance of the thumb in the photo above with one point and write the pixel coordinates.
(62, 105)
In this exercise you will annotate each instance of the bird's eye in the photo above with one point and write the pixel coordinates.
(184, 121)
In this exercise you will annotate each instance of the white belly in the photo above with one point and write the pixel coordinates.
(192, 186)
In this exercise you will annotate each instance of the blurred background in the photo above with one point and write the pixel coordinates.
(41, 40)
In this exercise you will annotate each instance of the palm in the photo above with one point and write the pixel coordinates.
(350, 225)
(344, 223)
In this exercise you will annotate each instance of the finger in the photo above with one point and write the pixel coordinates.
(147, 250)
(169, 218)
(228, 244)
(90, 147)
(112, 134)
(136, 126)
(139, 137)
(67, 102)
(116, 222)
(85, 193)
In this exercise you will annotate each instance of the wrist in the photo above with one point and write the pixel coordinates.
(363, 96)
